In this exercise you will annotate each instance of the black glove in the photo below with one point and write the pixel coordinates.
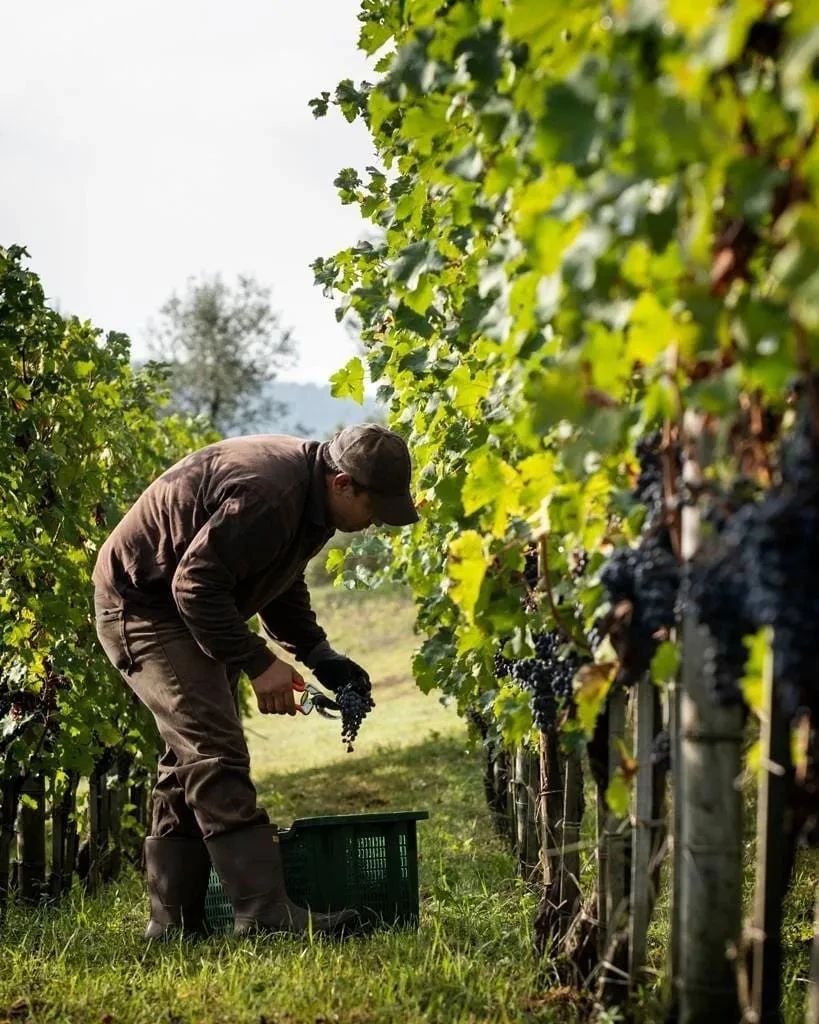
(336, 672)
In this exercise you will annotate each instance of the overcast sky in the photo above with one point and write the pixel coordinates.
(144, 143)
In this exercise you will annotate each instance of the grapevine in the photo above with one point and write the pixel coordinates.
(85, 434)
(584, 228)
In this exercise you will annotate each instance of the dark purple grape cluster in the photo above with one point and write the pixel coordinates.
(649, 487)
(531, 674)
(530, 568)
(717, 587)
(561, 665)
(764, 571)
(617, 575)
(355, 706)
(548, 677)
(782, 572)
(477, 720)
(502, 667)
(648, 578)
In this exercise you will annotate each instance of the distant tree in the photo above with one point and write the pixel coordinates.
(222, 346)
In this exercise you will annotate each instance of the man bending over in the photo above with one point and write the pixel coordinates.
(223, 535)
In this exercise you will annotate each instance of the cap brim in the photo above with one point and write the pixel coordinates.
(394, 510)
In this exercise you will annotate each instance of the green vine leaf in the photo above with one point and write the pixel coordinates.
(467, 569)
(348, 382)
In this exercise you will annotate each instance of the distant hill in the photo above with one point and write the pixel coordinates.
(313, 412)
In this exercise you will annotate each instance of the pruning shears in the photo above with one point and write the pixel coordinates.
(312, 698)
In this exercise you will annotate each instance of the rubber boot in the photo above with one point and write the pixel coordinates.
(177, 869)
(249, 862)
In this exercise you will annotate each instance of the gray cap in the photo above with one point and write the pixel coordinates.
(378, 459)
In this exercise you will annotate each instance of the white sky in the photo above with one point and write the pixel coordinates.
(142, 143)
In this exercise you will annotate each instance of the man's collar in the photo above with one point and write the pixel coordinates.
(316, 494)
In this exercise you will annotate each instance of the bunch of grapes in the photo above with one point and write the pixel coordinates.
(477, 720)
(548, 677)
(649, 487)
(648, 579)
(355, 706)
(531, 674)
(18, 704)
(782, 569)
(561, 666)
(718, 588)
(765, 572)
(501, 666)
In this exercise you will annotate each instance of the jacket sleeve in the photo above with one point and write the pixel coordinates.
(224, 551)
(290, 620)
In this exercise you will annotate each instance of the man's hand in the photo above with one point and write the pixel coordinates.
(339, 671)
(274, 689)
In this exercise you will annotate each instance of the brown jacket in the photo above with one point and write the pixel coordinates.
(225, 534)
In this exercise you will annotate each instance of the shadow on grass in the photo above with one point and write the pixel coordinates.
(440, 775)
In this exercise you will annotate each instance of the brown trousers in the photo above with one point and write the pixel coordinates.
(203, 779)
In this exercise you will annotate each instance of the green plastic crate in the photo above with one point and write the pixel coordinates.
(367, 862)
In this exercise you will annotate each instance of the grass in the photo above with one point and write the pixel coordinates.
(469, 962)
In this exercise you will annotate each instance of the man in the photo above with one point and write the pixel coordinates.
(223, 535)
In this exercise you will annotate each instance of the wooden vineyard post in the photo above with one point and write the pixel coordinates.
(561, 806)
(613, 867)
(501, 810)
(11, 797)
(98, 807)
(771, 855)
(616, 836)
(812, 1015)
(708, 805)
(644, 828)
(64, 838)
(569, 891)
(31, 840)
(526, 786)
(710, 844)
(551, 805)
(602, 870)
(116, 798)
(675, 740)
(561, 801)
(139, 796)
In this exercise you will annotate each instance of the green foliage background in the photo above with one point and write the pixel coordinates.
(81, 435)
(587, 219)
